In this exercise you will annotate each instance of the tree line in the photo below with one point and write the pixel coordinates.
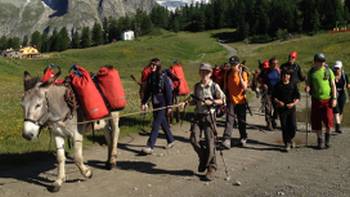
(253, 19)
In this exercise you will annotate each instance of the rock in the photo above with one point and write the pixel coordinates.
(280, 193)
(237, 183)
(245, 168)
(206, 183)
(149, 185)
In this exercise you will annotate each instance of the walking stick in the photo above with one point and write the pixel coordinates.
(307, 121)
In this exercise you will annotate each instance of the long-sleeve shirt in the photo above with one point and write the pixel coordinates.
(286, 93)
(158, 87)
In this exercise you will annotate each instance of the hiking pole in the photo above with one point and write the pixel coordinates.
(215, 134)
(307, 121)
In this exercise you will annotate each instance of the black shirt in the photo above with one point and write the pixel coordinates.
(286, 93)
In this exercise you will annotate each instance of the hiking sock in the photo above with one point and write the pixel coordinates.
(327, 137)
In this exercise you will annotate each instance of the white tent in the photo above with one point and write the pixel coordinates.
(128, 35)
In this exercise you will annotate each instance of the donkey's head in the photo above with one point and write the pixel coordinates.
(35, 105)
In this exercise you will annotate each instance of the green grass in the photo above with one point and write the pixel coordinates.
(128, 57)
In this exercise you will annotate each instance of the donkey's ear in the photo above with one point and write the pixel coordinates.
(27, 76)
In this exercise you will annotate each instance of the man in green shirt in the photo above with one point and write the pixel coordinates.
(321, 85)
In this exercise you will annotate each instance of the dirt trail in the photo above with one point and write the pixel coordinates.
(261, 168)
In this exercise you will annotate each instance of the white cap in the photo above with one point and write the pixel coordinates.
(338, 64)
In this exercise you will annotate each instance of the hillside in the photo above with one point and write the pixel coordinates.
(22, 17)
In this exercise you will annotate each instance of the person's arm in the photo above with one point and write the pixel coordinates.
(333, 90)
(296, 97)
(275, 97)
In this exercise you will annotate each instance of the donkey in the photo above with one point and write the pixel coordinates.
(44, 104)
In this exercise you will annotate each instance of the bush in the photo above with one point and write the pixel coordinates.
(282, 34)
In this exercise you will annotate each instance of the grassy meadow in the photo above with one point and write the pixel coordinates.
(130, 57)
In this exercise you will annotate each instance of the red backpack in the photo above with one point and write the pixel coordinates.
(89, 97)
(111, 87)
(181, 85)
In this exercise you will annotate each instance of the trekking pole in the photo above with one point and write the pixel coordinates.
(215, 132)
(307, 121)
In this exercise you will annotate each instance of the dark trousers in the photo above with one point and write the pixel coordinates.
(270, 111)
(204, 147)
(240, 111)
(288, 124)
(159, 120)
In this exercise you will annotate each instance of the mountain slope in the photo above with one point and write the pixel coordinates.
(22, 17)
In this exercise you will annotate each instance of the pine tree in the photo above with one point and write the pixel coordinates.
(75, 44)
(113, 31)
(45, 43)
(160, 17)
(3, 43)
(97, 35)
(25, 41)
(53, 41)
(13, 43)
(85, 38)
(63, 40)
(35, 39)
(105, 30)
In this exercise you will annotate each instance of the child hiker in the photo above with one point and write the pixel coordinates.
(205, 96)
(286, 96)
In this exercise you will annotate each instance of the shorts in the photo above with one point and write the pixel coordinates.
(340, 104)
(321, 111)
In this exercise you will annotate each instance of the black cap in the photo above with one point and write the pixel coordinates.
(319, 57)
(234, 60)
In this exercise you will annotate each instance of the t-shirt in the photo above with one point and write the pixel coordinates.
(236, 92)
(286, 93)
(320, 84)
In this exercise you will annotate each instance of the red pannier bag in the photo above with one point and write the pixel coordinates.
(177, 70)
(111, 87)
(48, 74)
(89, 96)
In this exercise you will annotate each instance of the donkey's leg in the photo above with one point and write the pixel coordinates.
(61, 159)
(114, 137)
(108, 138)
(78, 155)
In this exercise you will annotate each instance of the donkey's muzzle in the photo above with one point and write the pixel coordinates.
(30, 130)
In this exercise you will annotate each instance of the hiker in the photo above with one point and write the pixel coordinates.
(286, 95)
(342, 84)
(158, 88)
(236, 85)
(205, 96)
(291, 64)
(321, 85)
(269, 79)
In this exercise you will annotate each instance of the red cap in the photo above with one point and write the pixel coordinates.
(266, 64)
(293, 54)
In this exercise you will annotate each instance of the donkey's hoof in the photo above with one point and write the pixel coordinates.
(87, 173)
(54, 188)
(110, 166)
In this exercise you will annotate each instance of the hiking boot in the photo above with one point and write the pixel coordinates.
(320, 143)
(337, 128)
(293, 145)
(147, 150)
(274, 124)
(210, 173)
(170, 145)
(269, 127)
(243, 142)
(327, 137)
(201, 166)
(227, 144)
